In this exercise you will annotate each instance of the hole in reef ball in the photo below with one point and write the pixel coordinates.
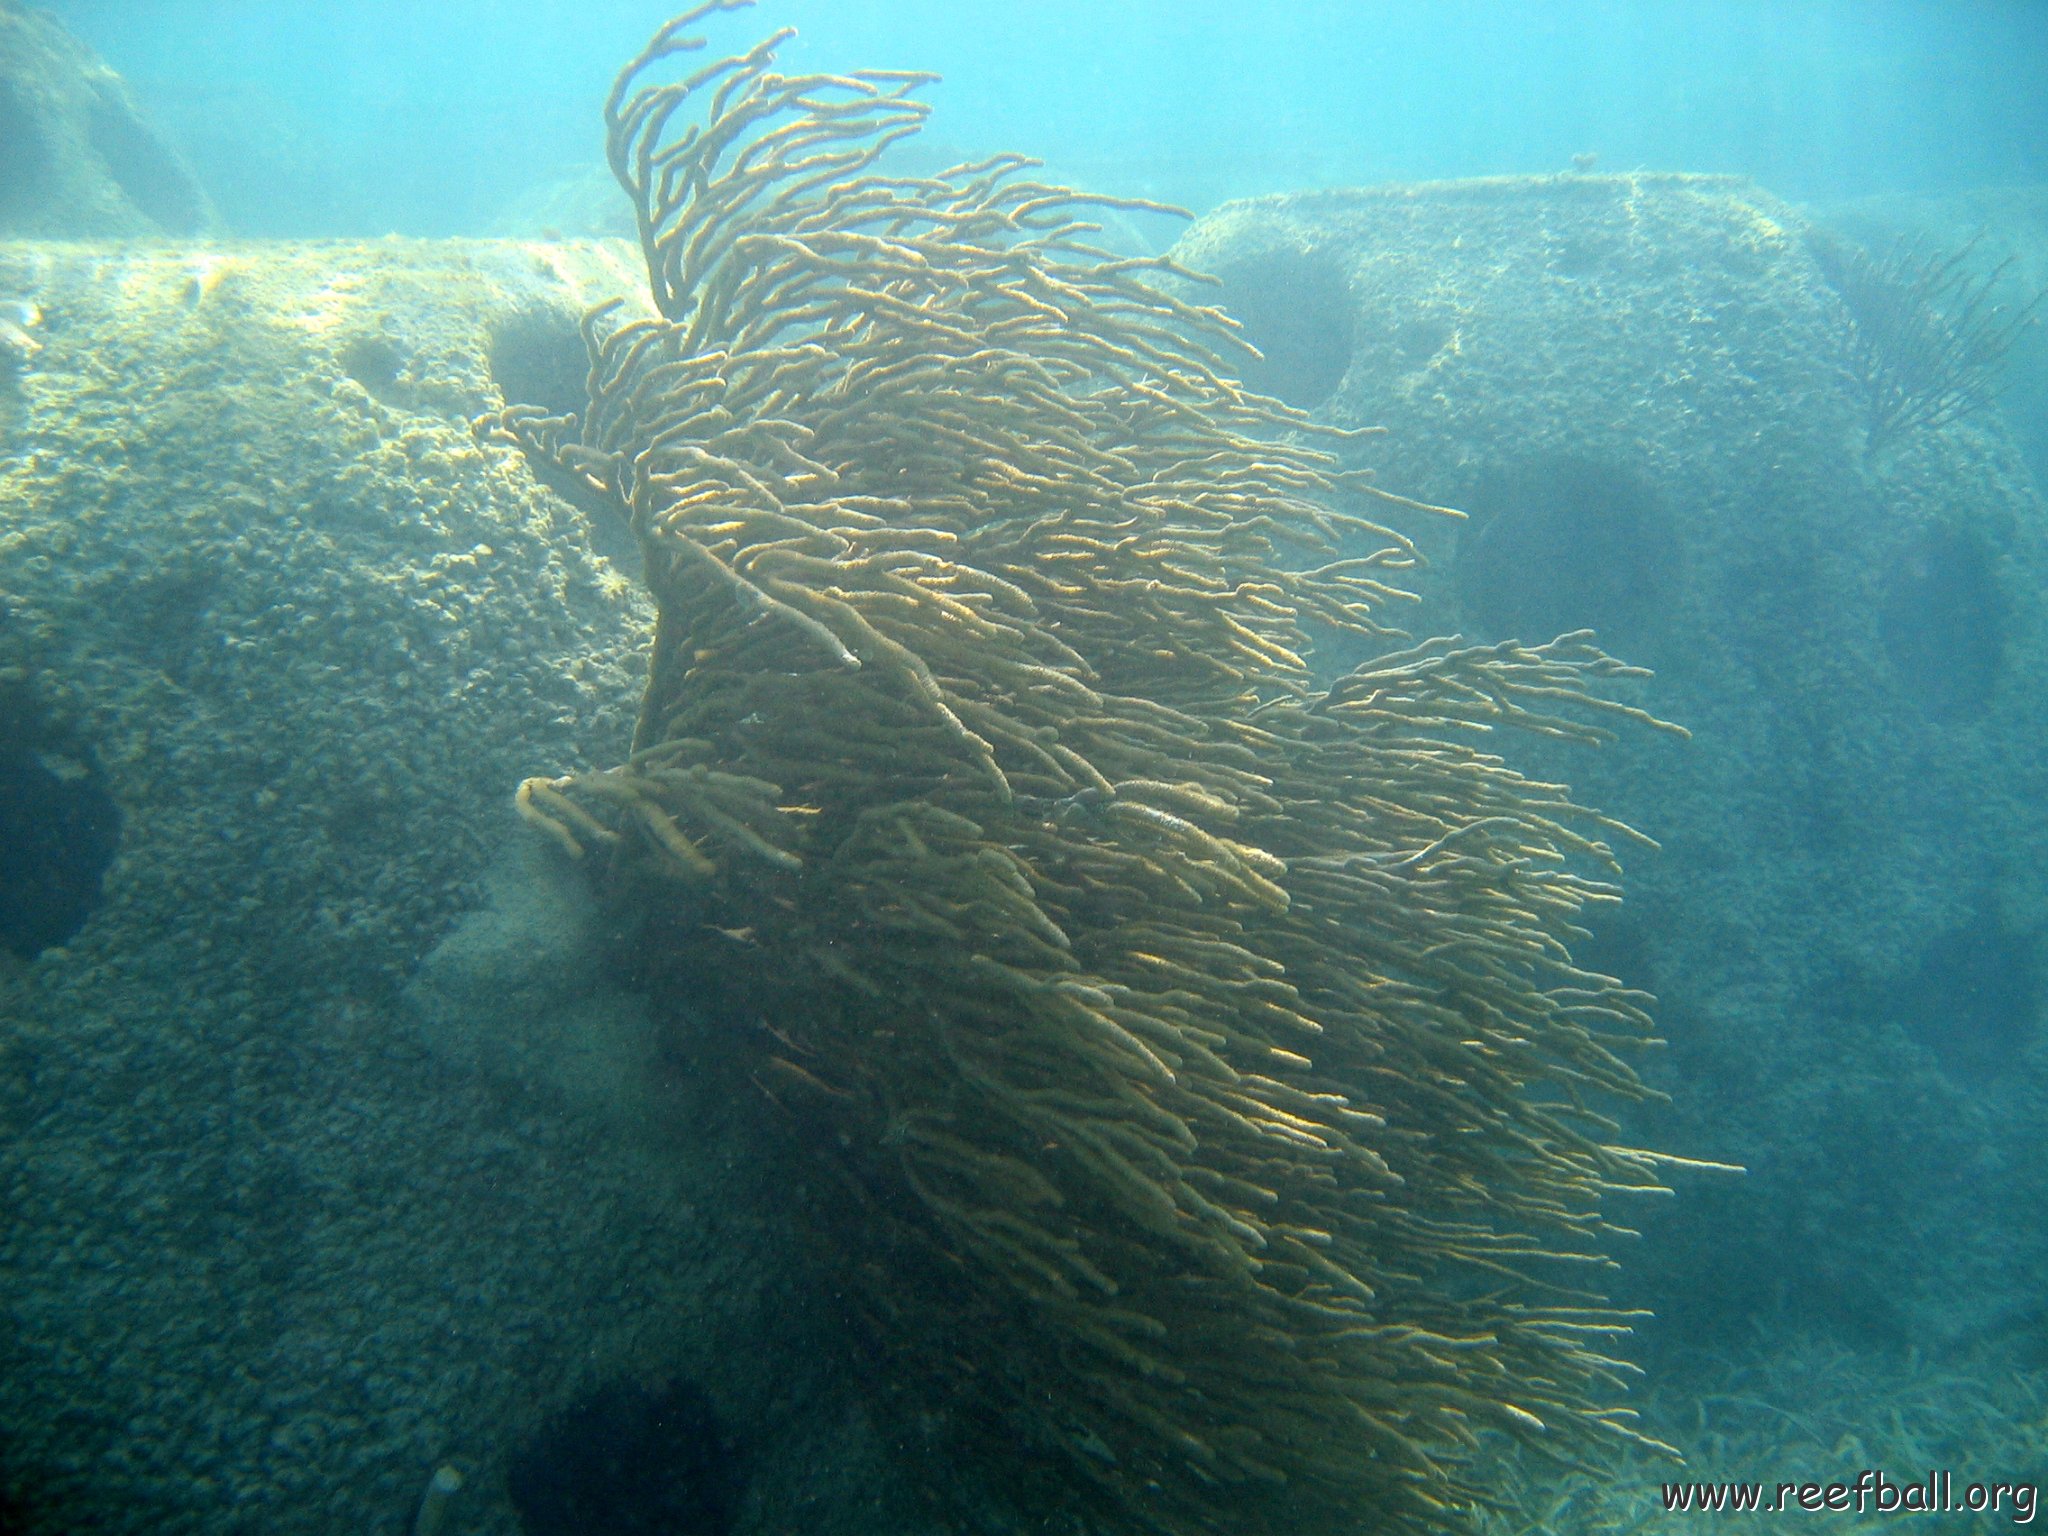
(1974, 1000)
(1419, 339)
(1942, 620)
(1295, 307)
(376, 363)
(1564, 543)
(537, 358)
(629, 1459)
(58, 830)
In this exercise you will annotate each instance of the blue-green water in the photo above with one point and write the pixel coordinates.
(413, 1119)
(428, 119)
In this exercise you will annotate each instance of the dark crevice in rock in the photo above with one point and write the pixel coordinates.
(629, 1459)
(59, 828)
(537, 358)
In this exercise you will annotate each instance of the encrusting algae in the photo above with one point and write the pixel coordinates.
(1195, 1045)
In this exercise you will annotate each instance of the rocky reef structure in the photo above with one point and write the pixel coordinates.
(316, 1171)
(78, 158)
(1653, 403)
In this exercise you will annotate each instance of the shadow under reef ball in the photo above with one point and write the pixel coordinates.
(629, 1459)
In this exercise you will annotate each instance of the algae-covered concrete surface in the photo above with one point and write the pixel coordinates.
(295, 1206)
(1641, 388)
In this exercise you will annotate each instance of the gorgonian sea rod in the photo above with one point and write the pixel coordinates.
(1192, 1044)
